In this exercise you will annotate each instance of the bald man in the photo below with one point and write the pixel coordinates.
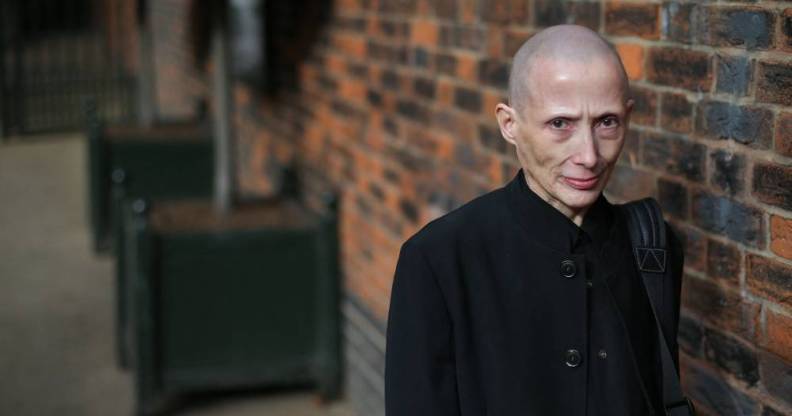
(526, 300)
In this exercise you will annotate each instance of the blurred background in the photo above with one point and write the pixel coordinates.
(203, 200)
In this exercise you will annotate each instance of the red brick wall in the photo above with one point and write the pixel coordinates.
(396, 107)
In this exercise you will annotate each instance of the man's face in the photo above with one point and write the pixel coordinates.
(570, 131)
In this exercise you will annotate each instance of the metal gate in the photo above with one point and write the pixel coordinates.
(57, 55)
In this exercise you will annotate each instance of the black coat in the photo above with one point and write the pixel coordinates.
(496, 312)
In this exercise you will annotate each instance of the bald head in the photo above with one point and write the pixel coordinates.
(563, 44)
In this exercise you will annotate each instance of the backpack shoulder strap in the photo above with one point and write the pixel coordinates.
(648, 236)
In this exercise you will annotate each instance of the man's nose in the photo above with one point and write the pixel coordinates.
(587, 152)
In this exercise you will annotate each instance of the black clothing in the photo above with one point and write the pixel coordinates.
(506, 307)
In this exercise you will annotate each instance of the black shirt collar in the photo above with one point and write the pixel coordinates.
(549, 226)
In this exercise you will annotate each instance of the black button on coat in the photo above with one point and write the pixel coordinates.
(501, 308)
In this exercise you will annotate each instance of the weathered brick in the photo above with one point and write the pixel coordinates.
(680, 17)
(776, 376)
(467, 99)
(734, 75)
(695, 248)
(677, 113)
(390, 80)
(420, 58)
(645, 107)
(490, 138)
(778, 334)
(727, 217)
(632, 19)
(774, 83)
(494, 73)
(712, 391)
(769, 278)
(749, 27)
(398, 6)
(409, 210)
(424, 32)
(723, 262)
(549, 12)
(722, 307)
(412, 111)
(785, 41)
(463, 37)
(728, 171)
(584, 14)
(772, 184)
(504, 11)
(783, 134)
(681, 68)
(673, 198)
(424, 87)
(747, 125)
(445, 64)
(731, 355)
(628, 184)
(781, 236)
(632, 56)
(690, 336)
(675, 156)
(444, 8)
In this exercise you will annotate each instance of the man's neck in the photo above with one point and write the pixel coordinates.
(576, 216)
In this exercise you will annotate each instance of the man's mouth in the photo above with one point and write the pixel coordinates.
(583, 184)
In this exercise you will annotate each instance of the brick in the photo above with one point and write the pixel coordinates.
(673, 197)
(723, 262)
(778, 334)
(585, 14)
(490, 138)
(445, 8)
(695, 248)
(774, 83)
(632, 19)
(390, 80)
(412, 111)
(549, 12)
(467, 68)
(776, 377)
(727, 217)
(734, 75)
(350, 44)
(424, 33)
(690, 336)
(785, 41)
(513, 39)
(769, 278)
(783, 135)
(746, 125)
(445, 63)
(645, 108)
(471, 38)
(713, 392)
(467, 99)
(424, 87)
(398, 6)
(409, 210)
(731, 355)
(676, 113)
(781, 236)
(494, 73)
(628, 184)
(728, 171)
(504, 11)
(749, 27)
(682, 68)
(632, 56)
(675, 156)
(420, 58)
(680, 17)
(772, 184)
(720, 306)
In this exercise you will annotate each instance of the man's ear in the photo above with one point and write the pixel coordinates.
(507, 121)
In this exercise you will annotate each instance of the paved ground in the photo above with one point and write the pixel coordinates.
(56, 300)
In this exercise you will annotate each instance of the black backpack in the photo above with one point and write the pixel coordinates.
(648, 237)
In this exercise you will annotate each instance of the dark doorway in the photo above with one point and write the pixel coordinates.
(58, 55)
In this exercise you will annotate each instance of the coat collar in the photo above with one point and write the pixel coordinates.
(548, 226)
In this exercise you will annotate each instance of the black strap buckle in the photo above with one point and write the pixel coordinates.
(685, 402)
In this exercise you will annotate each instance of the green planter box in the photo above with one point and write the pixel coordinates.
(231, 302)
(166, 160)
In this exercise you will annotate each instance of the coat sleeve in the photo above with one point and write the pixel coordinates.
(420, 373)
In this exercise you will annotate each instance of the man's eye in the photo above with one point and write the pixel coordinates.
(609, 122)
(559, 123)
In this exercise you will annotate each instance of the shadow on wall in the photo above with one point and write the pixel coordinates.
(269, 38)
